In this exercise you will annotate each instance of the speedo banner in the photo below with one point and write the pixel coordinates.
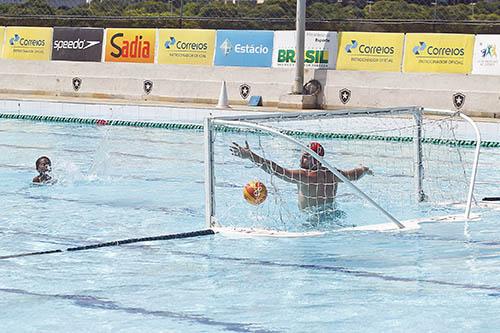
(186, 46)
(246, 48)
(486, 55)
(370, 51)
(77, 44)
(130, 45)
(438, 53)
(27, 43)
(320, 49)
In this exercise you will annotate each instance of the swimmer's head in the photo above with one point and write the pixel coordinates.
(43, 164)
(309, 162)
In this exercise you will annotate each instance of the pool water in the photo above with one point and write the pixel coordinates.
(118, 182)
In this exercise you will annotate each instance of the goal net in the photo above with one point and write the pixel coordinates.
(330, 170)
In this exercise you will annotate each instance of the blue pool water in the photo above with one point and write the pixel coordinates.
(118, 182)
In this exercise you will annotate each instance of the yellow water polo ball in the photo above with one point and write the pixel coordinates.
(255, 192)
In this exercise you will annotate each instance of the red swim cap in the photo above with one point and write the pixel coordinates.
(317, 148)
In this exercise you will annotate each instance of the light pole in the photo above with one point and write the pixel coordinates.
(299, 47)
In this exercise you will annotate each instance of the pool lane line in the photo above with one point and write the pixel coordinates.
(340, 269)
(198, 233)
(294, 133)
(93, 302)
(249, 261)
(491, 199)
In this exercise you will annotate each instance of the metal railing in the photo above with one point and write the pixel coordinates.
(370, 15)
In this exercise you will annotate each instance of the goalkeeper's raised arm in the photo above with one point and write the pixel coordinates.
(271, 167)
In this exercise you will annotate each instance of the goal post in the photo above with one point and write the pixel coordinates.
(390, 127)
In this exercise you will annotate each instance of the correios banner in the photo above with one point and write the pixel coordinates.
(246, 48)
(370, 51)
(130, 45)
(438, 53)
(320, 49)
(77, 44)
(2, 31)
(486, 55)
(186, 46)
(27, 43)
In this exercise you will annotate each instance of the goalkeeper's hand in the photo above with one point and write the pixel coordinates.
(243, 152)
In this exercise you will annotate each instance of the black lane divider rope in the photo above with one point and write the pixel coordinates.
(491, 199)
(190, 234)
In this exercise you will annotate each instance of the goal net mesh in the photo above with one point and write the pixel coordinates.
(382, 142)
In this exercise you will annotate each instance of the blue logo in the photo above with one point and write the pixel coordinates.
(14, 39)
(351, 46)
(245, 48)
(170, 42)
(419, 48)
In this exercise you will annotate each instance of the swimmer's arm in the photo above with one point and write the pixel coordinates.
(356, 173)
(36, 179)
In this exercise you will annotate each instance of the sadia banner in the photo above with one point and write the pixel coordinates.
(130, 45)
(438, 53)
(486, 55)
(320, 49)
(186, 46)
(77, 44)
(370, 51)
(246, 48)
(27, 43)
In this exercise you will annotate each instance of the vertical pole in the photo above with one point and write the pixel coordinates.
(209, 173)
(299, 47)
(181, 12)
(417, 142)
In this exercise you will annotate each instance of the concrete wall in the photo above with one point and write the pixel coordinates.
(202, 84)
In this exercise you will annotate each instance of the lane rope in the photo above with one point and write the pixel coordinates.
(198, 233)
(198, 127)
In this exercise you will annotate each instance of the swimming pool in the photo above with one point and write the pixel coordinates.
(122, 182)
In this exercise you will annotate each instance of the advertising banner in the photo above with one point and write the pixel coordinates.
(438, 53)
(130, 45)
(486, 55)
(2, 37)
(186, 46)
(370, 51)
(77, 44)
(246, 48)
(320, 49)
(27, 43)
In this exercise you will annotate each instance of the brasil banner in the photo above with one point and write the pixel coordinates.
(320, 49)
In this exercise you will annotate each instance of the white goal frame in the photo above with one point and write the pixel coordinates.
(251, 121)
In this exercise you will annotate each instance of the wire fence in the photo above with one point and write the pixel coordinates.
(370, 15)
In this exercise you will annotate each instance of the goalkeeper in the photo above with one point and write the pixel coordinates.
(317, 186)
